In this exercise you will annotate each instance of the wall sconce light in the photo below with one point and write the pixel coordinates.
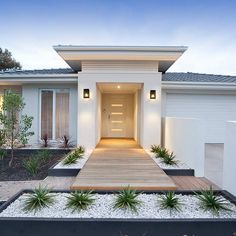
(86, 93)
(152, 94)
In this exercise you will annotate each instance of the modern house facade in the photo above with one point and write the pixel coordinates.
(120, 92)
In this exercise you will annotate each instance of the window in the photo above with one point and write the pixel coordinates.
(54, 113)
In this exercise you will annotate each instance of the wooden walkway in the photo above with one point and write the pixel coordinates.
(192, 183)
(116, 164)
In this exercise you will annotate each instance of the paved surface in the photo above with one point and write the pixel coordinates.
(214, 154)
(9, 188)
(118, 163)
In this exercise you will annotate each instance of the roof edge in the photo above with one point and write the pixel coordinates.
(119, 48)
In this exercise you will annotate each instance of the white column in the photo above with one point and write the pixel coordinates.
(86, 123)
(229, 166)
(151, 112)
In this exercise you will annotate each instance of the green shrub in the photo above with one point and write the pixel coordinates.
(79, 200)
(40, 198)
(170, 201)
(169, 159)
(127, 200)
(210, 201)
(32, 165)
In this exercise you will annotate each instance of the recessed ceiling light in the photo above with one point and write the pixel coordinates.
(118, 86)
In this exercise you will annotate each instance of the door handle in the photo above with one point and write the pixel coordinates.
(109, 116)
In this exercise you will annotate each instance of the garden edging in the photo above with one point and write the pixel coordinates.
(11, 226)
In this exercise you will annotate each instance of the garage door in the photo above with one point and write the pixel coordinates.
(214, 110)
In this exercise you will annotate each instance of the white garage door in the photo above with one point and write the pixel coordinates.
(214, 110)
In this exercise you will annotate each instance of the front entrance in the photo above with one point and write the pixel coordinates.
(117, 115)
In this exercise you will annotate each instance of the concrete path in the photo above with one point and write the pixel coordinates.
(118, 163)
(9, 188)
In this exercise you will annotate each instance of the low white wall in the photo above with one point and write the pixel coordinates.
(185, 138)
(229, 172)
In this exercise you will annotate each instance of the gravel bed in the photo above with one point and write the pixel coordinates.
(103, 208)
(80, 163)
(180, 164)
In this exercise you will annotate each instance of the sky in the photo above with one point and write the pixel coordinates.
(29, 29)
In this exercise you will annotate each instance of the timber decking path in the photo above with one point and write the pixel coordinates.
(118, 163)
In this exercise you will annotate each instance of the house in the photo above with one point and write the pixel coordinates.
(120, 91)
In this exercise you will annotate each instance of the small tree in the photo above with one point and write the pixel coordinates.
(25, 125)
(12, 106)
(7, 61)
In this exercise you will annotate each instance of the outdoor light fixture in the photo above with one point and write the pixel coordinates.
(86, 93)
(152, 94)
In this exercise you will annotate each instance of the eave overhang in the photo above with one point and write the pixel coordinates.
(165, 55)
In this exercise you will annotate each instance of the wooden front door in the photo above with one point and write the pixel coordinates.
(117, 115)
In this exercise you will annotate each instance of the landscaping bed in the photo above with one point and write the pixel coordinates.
(168, 162)
(102, 219)
(60, 169)
(19, 172)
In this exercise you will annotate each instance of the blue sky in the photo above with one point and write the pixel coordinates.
(207, 27)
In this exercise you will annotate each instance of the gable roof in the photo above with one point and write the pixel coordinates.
(196, 77)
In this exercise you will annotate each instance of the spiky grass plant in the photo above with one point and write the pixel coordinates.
(127, 200)
(155, 148)
(159, 151)
(70, 159)
(80, 150)
(32, 165)
(73, 157)
(208, 200)
(43, 155)
(170, 201)
(40, 198)
(79, 200)
(169, 159)
(162, 152)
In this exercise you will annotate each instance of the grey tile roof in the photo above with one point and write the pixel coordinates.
(195, 77)
(36, 72)
(174, 76)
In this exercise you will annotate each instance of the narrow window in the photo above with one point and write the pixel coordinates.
(62, 114)
(55, 113)
(47, 113)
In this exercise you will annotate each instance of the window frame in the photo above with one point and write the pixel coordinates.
(54, 90)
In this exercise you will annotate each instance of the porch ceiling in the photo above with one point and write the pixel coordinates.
(119, 87)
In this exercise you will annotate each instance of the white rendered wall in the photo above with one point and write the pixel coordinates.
(150, 122)
(98, 115)
(229, 172)
(184, 136)
(213, 109)
(31, 95)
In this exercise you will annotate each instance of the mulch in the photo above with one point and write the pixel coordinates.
(17, 172)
